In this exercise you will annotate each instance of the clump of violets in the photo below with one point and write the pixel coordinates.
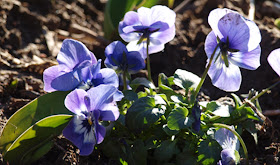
(77, 68)
(234, 40)
(122, 60)
(230, 145)
(274, 60)
(148, 26)
(90, 108)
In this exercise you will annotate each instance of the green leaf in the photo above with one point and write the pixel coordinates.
(186, 158)
(139, 153)
(209, 152)
(219, 109)
(141, 81)
(164, 80)
(46, 105)
(185, 79)
(143, 111)
(130, 95)
(250, 126)
(178, 119)
(37, 136)
(166, 150)
(168, 131)
(237, 100)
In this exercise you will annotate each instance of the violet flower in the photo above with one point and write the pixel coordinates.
(122, 60)
(77, 68)
(156, 24)
(91, 107)
(229, 142)
(238, 42)
(274, 60)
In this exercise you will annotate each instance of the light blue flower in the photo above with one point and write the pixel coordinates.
(238, 42)
(156, 23)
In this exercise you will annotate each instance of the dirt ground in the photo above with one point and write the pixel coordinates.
(31, 33)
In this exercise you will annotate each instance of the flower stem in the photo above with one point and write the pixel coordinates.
(148, 61)
(264, 91)
(220, 125)
(124, 81)
(205, 72)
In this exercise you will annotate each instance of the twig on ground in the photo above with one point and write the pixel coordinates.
(180, 6)
(252, 10)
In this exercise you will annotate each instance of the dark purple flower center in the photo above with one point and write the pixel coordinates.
(225, 48)
(88, 122)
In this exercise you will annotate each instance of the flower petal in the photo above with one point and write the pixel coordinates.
(142, 48)
(109, 112)
(234, 27)
(52, 73)
(106, 76)
(227, 139)
(210, 45)
(249, 60)
(84, 140)
(115, 48)
(126, 27)
(77, 101)
(225, 78)
(214, 17)
(100, 133)
(162, 37)
(73, 53)
(274, 60)
(135, 61)
(66, 82)
(100, 95)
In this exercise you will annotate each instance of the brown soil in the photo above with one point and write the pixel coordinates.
(31, 33)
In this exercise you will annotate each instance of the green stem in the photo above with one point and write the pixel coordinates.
(148, 61)
(205, 72)
(264, 91)
(219, 125)
(124, 81)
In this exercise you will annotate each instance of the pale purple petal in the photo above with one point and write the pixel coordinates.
(157, 13)
(228, 157)
(274, 60)
(73, 53)
(214, 17)
(233, 27)
(255, 35)
(100, 95)
(142, 48)
(109, 112)
(83, 138)
(50, 74)
(210, 45)
(163, 37)
(100, 133)
(135, 61)
(106, 76)
(227, 139)
(77, 101)
(66, 82)
(130, 19)
(225, 78)
(249, 60)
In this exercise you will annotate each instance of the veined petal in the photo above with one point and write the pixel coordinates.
(225, 78)
(255, 35)
(210, 45)
(73, 52)
(274, 60)
(249, 60)
(234, 27)
(162, 37)
(228, 157)
(227, 139)
(214, 17)
(77, 101)
(126, 27)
